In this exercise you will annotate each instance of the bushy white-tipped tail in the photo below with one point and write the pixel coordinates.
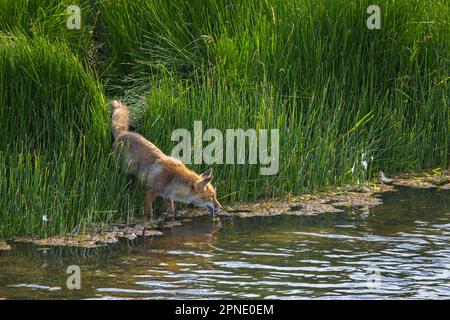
(119, 118)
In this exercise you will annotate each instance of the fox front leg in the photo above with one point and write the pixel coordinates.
(148, 206)
(170, 208)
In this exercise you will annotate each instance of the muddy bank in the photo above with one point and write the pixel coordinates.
(333, 201)
(4, 246)
(341, 199)
(433, 179)
(337, 200)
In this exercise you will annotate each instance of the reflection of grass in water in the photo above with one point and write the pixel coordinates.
(312, 69)
(282, 229)
(405, 209)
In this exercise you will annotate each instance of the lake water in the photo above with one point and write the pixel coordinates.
(400, 249)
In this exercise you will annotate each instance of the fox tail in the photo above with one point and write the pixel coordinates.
(119, 118)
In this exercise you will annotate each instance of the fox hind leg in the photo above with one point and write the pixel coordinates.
(170, 208)
(148, 206)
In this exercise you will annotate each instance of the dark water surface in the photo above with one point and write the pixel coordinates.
(398, 250)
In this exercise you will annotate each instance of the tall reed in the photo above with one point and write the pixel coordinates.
(55, 151)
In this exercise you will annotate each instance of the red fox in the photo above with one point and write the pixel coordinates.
(160, 174)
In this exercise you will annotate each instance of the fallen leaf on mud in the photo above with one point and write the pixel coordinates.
(153, 233)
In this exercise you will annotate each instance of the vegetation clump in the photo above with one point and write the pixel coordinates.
(348, 101)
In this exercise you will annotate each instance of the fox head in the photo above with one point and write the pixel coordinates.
(204, 194)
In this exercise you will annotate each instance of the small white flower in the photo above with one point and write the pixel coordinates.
(364, 164)
(44, 218)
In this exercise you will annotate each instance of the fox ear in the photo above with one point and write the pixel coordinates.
(201, 185)
(207, 173)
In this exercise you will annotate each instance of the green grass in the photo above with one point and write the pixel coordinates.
(55, 147)
(312, 69)
(48, 18)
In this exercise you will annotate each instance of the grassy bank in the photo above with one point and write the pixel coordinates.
(54, 151)
(338, 92)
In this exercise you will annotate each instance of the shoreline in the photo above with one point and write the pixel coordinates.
(339, 199)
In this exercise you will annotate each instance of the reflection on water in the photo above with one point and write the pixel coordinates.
(399, 250)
